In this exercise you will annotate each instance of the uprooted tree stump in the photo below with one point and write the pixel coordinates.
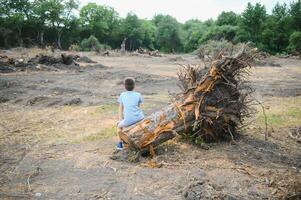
(211, 107)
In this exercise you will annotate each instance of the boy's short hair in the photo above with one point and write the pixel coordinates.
(129, 83)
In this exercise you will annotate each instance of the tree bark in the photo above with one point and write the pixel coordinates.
(158, 127)
(42, 38)
(59, 35)
(20, 40)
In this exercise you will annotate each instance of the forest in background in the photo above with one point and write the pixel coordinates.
(63, 24)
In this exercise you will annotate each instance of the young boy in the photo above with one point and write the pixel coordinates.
(129, 107)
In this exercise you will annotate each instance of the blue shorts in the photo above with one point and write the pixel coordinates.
(123, 123)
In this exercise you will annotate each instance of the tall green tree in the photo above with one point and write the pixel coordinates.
(40, 17)
(59, 15)
(295, 12)
(100, 21)
(149, 33)
(295, 41)
(16, 14)
(227, 18)
(227, 32)
(252, 22)
(168, 36)
(194, 33)
(131, 28)
(275, 37)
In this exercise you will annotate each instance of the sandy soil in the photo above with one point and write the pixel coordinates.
(57, 132)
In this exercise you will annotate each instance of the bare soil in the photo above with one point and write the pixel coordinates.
(57, 132)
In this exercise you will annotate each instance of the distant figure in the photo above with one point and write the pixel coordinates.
(129, 107)
(122, 49)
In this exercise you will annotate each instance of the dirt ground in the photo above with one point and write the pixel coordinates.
(57, 132)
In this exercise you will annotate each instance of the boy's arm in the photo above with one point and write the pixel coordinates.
(140, 101)
(120, 112)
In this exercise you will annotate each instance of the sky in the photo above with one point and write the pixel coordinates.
(182, 10)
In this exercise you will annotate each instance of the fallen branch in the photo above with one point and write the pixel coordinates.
(265, 118)
(33, 174)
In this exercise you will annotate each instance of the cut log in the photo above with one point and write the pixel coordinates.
(158, 127)
(211, 106)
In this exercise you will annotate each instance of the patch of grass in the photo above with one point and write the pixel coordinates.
(284, 113)
(294, 112)
(109, 108)
(103, 134)
(68, 108)
(274, 119)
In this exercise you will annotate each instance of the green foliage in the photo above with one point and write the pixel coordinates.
(276, 34)
(168, 33)
(92, 44)
(227, 32)
(195, 31)
(149, 33)
(295, 13)
(132, 29)
(43, 22)
(252, 22)
(295, 41)
(100, 21)
(294, 112)
(227, 18)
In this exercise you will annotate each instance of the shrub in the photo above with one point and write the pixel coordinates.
(295, 41)
(213, 47)
(92, 44)
(74, 47)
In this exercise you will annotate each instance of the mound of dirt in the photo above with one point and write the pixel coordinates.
(36, 100)
(61, 90)
(266, 62)
(204, 190)
(5, 68)
(140, 78)
(40, 62)
(53, 60)
(3, 99)
(178, 58)
(85, 59)
(75, 101)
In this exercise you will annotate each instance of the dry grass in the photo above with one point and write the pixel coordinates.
(21, 128)
(281, 112)
(68, 123)
(106, 133)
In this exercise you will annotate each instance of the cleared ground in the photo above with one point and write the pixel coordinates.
(57, 131)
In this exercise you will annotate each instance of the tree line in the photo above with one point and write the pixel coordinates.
(57, 22)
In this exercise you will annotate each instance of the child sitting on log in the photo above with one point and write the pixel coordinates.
(129, 107)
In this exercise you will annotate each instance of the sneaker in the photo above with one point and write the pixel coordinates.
(119, 146)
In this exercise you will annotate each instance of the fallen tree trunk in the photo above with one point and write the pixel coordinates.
(211, 106)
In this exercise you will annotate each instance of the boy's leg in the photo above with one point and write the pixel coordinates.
(120, 125)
